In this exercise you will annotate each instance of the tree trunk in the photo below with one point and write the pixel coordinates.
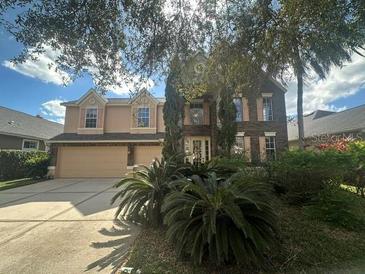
(300, 107)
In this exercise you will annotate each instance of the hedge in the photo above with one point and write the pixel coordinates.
(15, 164)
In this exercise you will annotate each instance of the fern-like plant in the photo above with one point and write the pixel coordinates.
(142, 192)
(226, 220)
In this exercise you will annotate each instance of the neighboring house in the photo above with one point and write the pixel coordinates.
(107, 137)
(326, 126)
(22, 131)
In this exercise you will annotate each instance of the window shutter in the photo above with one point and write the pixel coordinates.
(82, 118)
(260, 114)
(246, 113)
(100, 118)
(134, 117)
(186, 114)
(247, 141)
(152, 116)
(206, 113)
(262, 143)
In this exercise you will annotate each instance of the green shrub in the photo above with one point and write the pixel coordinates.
(15, 164)
(37, 166)
(224, 220)
(301, 175)
(200, 169)
(355, 174)
(142, 193)
(337, 209)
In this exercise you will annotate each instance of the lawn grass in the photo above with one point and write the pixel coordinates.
(306, 246)
(17, 183)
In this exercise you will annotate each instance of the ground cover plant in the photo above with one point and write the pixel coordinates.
(18, 183)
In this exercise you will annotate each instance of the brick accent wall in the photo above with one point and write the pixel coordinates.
(252, 128)
(255, 128)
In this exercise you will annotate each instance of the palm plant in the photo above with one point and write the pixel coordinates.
(200, 169)
(142, 193)
(223, 219)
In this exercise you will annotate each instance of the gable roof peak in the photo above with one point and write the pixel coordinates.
(143, 92)
(95, 93)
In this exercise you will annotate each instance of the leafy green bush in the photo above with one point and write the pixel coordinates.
(37, 166)
(337, 209)
(355, 174)
(200, 169)
(15, 164)
(301, 175)
(224, 220)
(142, 194)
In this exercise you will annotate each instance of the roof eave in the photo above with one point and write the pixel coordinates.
(106, 141)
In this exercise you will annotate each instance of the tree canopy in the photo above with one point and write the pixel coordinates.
(118, 39)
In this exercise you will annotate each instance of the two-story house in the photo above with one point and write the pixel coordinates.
(105, 137)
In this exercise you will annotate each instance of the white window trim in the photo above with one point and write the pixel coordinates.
(97, 117)
(188, 147)
(28, 140)
(240, 134)
(274, 148)
(149, 116)
(197, 102)
(270, 134)
(267, 95)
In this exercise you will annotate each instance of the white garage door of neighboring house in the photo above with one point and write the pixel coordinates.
(92, 161)
(144, 155)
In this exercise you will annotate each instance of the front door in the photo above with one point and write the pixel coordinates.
(197, 149)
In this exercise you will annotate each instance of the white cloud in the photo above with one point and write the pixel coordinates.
(54, 111)
(44, 68)
(319, 94)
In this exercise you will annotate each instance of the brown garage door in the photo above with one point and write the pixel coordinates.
(92, 161)
(144, 155)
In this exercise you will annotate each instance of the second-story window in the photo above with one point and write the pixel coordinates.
(267, 109)
(143, 117)
(196, 113)
(91, 118)
(238, 103)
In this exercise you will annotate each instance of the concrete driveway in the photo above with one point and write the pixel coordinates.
(62, 226)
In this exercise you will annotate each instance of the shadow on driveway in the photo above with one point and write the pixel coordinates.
(124, 234)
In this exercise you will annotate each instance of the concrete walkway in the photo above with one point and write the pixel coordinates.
(62, 226)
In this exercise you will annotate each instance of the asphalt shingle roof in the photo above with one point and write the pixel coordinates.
(108, 137)
(14, 122)
(330, 122)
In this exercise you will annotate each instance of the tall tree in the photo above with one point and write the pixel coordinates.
(308, 36)
(173, 114)
(114, 40)
(227, 117)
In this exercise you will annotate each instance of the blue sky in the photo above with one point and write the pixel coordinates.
(34, 89)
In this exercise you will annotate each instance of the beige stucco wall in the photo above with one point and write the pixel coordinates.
(144, 155)
(91, 161)
(113, 118)
(117, 119)
(71, 119)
